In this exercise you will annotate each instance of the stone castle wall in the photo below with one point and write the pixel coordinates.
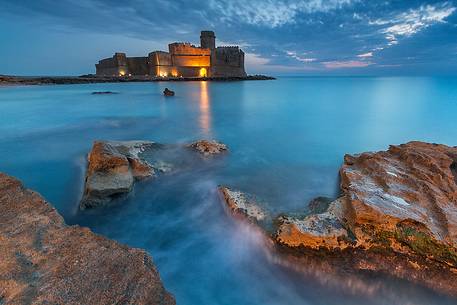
(187, 55)
(137, 65)
(183, 59)
(186, 48)
(116, 65)
(228, 61)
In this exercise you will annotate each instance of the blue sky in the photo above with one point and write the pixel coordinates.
(279, 37)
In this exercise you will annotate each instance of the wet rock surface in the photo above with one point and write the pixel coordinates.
(397, 215)
(112, 169)
(44, 261)
(208, 147)
(239, 204)
(168, 92)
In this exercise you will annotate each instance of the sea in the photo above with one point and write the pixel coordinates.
(287, 139)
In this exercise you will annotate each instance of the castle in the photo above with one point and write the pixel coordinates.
(181, 60)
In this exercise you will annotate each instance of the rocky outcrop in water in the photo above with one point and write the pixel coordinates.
(397, 215)
(168, 92)
(44, 261)
(239, 205)
(112, 170)
(207, 147)
(103, 92)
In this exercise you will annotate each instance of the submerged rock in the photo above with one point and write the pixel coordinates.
(397, 215)
(103, 92)
(319, 205)
(207, 147)
(44, 261)
(112, 170)
(162, 167)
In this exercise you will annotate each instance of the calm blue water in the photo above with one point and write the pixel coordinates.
(287, 139)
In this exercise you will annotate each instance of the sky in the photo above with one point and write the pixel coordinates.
(279, 37)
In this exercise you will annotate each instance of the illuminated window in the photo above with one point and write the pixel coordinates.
(203, 72)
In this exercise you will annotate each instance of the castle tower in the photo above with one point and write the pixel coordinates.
(208, 40)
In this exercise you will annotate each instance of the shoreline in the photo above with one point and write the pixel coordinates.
(7, 80)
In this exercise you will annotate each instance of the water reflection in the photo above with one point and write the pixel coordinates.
(205, 115)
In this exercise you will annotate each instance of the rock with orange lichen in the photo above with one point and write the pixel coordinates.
(44, 261)
(112, 170)
(313, 229)
(397, 215)
(207, 147)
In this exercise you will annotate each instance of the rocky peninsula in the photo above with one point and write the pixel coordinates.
(397, 215)
(7, 80)
(45, 261)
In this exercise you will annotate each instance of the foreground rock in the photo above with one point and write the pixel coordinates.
(397, 215)
(44, 261)
(112, 170)
(207, 147)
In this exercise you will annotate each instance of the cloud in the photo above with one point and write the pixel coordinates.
(346, 64)
(275, 34)
(295, 56)
(255, 59)
(413, 21)
(272, 13)
(365, 55)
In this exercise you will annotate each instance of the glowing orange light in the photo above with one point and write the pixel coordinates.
(121, 73)
(203, 72)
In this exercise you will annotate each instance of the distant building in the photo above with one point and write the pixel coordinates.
(181, 60)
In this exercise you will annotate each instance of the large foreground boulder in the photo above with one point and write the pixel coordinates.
(112, 170)
(44, 261)
(397, 215)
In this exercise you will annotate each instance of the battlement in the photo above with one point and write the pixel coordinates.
(228, 47)
(179, 48)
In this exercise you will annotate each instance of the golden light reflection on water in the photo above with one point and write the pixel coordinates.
(205, 115)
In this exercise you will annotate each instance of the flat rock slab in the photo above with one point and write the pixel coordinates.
(44, 261)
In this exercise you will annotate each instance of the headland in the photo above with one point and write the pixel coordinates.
(8, 80)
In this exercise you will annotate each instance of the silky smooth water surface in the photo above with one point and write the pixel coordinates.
(287, 139)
